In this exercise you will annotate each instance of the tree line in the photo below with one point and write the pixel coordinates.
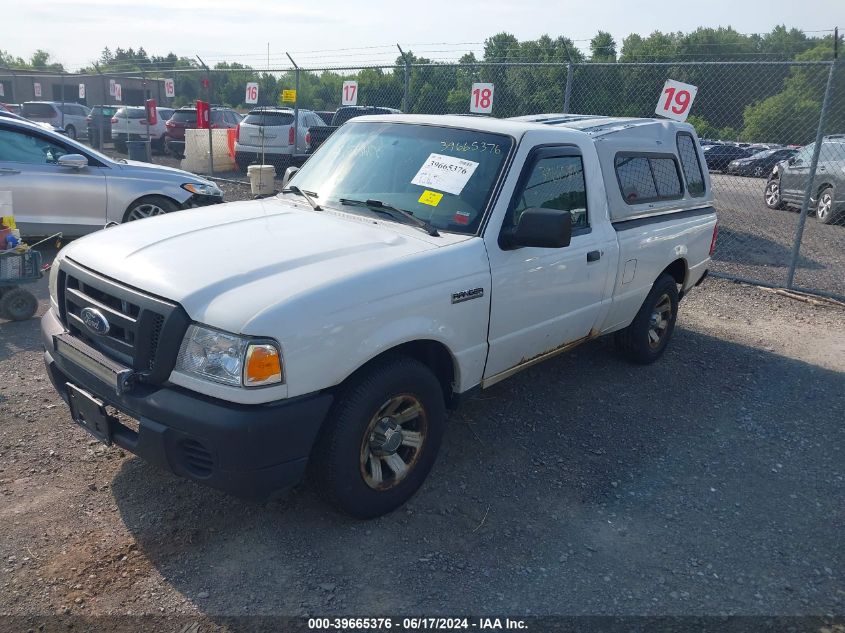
(756, 100)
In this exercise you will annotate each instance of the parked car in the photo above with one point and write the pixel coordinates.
(129, 123)
(760, 164)
(325, 115)
(270, 132)
(320, 133)
(386, 282)
(186, 119)
(100, 119)
(58, 184)
(718, 157)
(71, 117)
(788, 181)
(18, 117)
(14, 108)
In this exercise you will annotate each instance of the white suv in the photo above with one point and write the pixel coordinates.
(130, 124)
(271, 131)
(70, 117)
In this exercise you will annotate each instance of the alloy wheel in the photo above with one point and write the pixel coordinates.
(659, 321)
(145, 210)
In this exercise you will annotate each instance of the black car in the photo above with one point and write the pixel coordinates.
(320, 133)
(788, 182)
(760, 164)
(718, 157)
(100, 119)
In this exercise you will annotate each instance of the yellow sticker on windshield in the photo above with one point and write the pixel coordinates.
(431, 198)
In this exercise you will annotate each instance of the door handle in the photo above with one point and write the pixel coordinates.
(6, 170)
(593, 256)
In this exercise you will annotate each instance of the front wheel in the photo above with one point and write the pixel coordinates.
(381, 438)
(824, 210)
(771, 195)
(645, 340)
(148, 207)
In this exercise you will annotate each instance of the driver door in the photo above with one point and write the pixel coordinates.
(46, 197)
(793, 180)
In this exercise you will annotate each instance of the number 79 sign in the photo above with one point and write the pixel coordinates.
(675, 100)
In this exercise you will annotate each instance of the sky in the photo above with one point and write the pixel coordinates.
(330, 32)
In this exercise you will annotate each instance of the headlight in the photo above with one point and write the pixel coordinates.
(202, 189)
(228, 358)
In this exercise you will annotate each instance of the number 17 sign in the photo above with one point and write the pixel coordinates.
(675, 100)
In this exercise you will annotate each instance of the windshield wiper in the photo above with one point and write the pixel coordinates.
(397, 214)
(294, 189)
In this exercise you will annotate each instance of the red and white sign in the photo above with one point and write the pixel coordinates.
(203, 115)
(36, 89)
(151, 112)
(111, 87)
(676, 100)
(169, 88)
(251, 92)
(118, 93)
(349, 93)
(81, 91)
(481, 98)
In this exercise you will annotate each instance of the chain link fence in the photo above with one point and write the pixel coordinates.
(784, 229)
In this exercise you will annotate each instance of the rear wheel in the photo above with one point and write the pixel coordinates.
(148, 207)
(758, 172)
(71, 132)
(18, 304)
(771, 195)
(645, 340)
(824, 210)
(381, 438)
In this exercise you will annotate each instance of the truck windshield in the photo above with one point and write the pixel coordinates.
(441, 175)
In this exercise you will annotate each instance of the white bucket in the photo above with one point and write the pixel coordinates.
(261, 179)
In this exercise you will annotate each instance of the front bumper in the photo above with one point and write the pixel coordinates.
(197, 200)
(251, 451)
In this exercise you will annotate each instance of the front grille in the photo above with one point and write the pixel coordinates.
(198, 460)
(138, 322)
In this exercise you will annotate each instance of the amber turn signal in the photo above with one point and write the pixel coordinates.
(263, 365)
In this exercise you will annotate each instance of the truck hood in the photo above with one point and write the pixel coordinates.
(226, 263)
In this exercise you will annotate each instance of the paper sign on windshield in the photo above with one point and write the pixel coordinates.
(445, 173)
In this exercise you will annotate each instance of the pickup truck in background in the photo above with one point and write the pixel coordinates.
(411, 262)
(343, 114)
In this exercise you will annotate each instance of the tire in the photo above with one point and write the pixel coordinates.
(120, 145)
(645, 340)
(758, 172)
(71, 132)
(149, 206)
(771, 194)
(355, 459)
(825, 212)
(18, 304)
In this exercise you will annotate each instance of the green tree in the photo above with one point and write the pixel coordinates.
(603, 47)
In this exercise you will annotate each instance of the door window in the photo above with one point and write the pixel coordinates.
(17, 147)
(555, 182)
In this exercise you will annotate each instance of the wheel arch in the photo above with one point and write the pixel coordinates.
(678, 270)
(433, 354)
(137, 199)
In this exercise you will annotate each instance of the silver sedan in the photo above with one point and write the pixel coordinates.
(57, 184)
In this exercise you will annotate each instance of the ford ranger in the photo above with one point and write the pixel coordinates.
(411, 261)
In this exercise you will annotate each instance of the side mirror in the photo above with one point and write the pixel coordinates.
(290, 172)
(543, 228)
(75, 161)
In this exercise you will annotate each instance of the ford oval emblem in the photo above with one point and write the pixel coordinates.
(95, 321)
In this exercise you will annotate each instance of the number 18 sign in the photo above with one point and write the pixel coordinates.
(675, 100)
(481, 98)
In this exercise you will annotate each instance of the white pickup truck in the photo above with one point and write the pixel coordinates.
(412, 260)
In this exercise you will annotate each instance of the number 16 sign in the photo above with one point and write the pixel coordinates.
(675, 100)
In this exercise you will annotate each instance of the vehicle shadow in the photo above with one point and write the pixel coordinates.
(740, 247)
(583, 485)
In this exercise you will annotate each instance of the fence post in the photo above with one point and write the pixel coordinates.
(407, 82)
(296, 116)
(14, 81)
(808, 191)
(567, 94)
(100, 120)
(63, 98)
(210, 117)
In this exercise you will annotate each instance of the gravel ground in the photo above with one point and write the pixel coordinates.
(709, 483)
